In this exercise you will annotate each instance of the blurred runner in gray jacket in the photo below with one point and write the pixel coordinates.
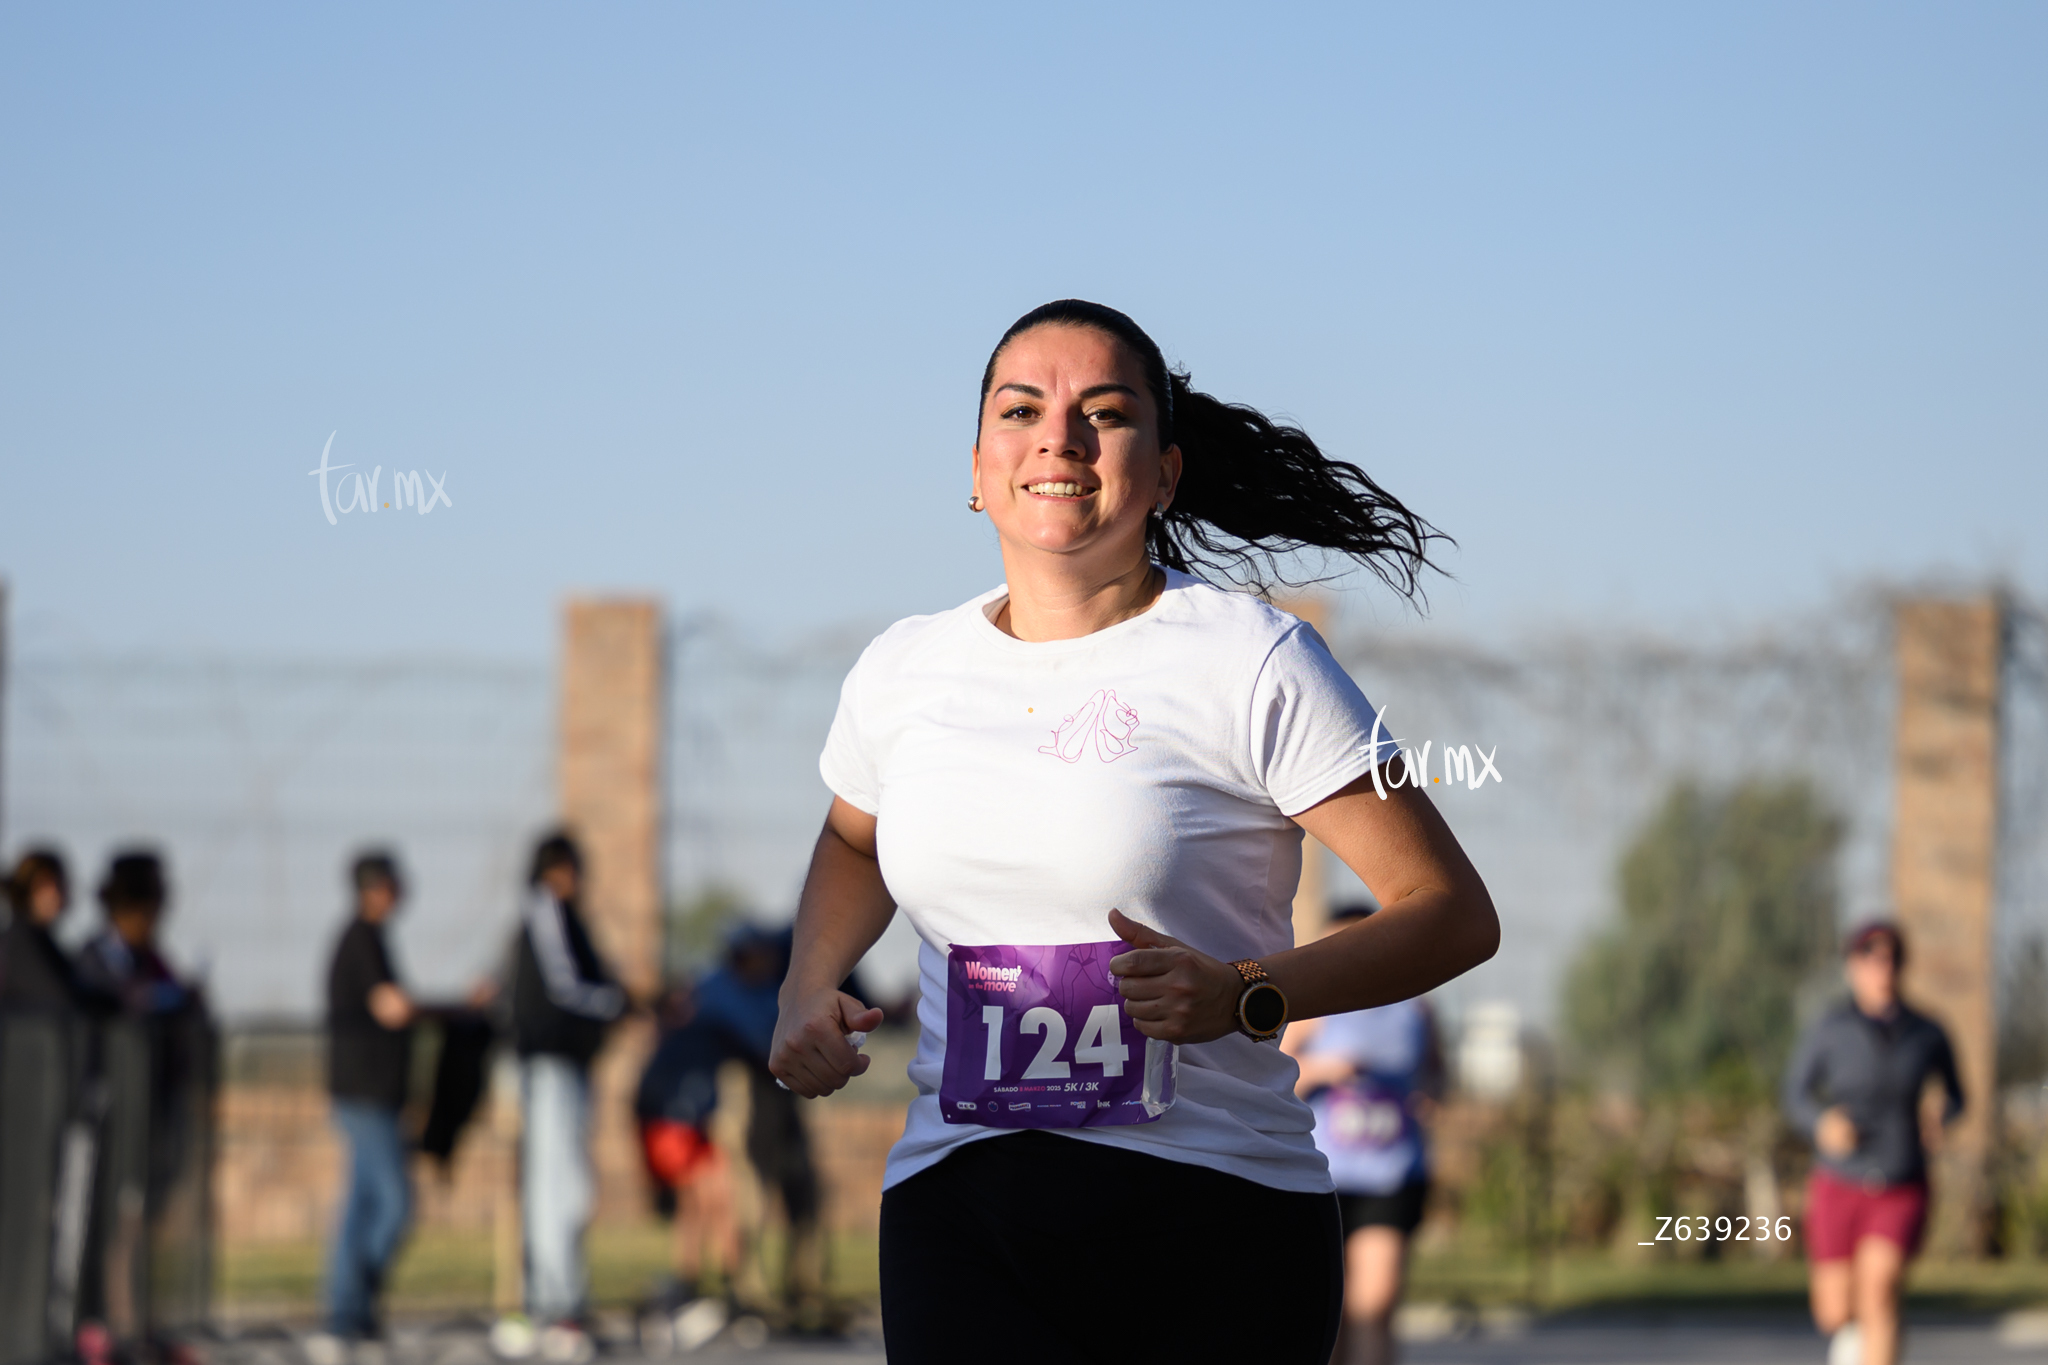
(1854, 1086)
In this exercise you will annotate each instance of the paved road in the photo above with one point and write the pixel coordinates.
(1620, 1343)
(2014, 1340)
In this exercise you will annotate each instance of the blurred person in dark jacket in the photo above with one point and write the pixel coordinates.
(1853, 1087)
(36, 976)
(41, 1108)
(564, 1000)
(369, 1052)
(155, 1057)
(742, 995)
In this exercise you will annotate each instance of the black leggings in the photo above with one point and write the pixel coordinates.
(1038, 1247)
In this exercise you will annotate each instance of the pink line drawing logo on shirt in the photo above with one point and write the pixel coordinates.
(1102, 718)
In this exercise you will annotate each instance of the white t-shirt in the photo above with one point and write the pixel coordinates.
(1024, 789)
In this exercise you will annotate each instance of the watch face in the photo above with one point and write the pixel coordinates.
(1265, 1009)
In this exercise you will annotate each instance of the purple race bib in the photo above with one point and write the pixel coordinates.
(1365, 1115)
(1037, 1037)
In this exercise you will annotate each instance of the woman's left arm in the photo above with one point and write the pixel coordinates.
(1436, 922)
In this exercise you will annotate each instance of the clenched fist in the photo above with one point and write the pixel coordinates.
(1171, 991)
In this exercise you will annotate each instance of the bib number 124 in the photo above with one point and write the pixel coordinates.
(1100, 1044)
(1037, 1037)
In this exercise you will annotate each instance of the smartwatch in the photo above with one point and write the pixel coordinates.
(1261, 1008)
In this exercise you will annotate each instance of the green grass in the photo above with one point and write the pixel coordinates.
(450, 1272)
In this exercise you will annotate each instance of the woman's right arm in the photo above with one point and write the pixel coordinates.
(845, 908)
(1831, 1129)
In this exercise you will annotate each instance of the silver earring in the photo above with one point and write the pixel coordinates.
(974, 503)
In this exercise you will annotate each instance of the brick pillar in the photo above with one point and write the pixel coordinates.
(1944, 842)
(610, 773)
(612, 678)
(1312, 896)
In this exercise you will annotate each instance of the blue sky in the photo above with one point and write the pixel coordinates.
(1673, 315)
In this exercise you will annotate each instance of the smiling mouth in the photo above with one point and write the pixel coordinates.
(1058, 490)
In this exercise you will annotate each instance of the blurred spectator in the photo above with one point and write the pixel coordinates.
(369, 1051)
(1854, 1086)
(42, 1080)
(35, 974)
(1367, 1075)
(564, 999)
(742, 994)
(154, 1069)
(677, 1095)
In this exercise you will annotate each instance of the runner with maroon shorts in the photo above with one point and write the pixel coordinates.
(1854, 1087)
(1086, 790)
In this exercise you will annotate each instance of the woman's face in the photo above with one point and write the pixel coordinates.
(1873, 972)
(135, 921)
(1068, 461)
(46, 901)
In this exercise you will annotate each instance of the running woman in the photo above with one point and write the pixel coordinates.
(1367, 1075)
(1087, 790)
(1854, 1087)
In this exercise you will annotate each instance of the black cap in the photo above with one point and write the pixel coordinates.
(135, 877)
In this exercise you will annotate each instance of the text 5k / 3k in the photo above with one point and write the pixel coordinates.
(354, 493)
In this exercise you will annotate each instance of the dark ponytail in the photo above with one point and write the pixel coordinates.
(1251, 489)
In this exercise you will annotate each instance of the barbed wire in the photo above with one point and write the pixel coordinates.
(260, 776)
